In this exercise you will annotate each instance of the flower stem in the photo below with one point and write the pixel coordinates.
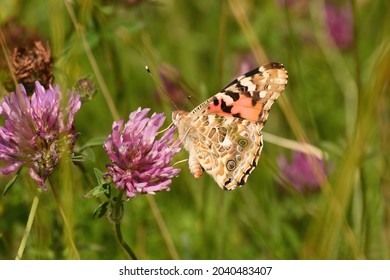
(163, 228)
(122, 242)
(117, 219)
(80, 30)
(66, 223)
(29, 224)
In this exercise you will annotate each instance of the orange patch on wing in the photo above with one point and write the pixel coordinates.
(243, 106)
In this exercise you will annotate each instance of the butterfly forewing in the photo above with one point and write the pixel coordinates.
(250, 96)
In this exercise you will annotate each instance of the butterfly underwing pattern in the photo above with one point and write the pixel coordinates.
(223, 134)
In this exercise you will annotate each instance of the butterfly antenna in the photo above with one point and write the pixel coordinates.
(180, 140)
(160, 87)
(168, 127)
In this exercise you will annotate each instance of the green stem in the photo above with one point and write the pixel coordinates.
(66, 223)
(117, 220)
(80, 30)
(29, 224)
(163, 227)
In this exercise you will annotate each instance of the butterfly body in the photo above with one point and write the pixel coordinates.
(223, 134)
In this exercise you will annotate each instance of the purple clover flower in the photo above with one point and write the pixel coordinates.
(304, 172)
(173, 84)
(141, 163)
(36, 131)
(245, 63)
(339, 21)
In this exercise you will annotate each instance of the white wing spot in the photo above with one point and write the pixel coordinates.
(226, 143)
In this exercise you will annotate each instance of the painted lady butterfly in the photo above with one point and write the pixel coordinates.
(223, 134)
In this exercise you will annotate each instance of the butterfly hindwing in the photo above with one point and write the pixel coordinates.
(228, 148)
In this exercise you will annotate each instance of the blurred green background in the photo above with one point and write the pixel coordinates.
(337, 54)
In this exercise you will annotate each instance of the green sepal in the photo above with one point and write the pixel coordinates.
(103, 186)
(11, 182)
(101, 210)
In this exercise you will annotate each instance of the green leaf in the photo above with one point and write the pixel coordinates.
(88, 154)
(99, 177)
(78, 158)
(96, 141)
(95, 192)
(107, 187)
(103, 186)
(11, 182)
(101, 210)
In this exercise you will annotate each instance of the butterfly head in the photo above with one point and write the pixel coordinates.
(178, 116)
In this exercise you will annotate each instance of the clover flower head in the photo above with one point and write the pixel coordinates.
(173, 84)
(303, 172)
(36, 131)
(339, 21)
(140, 161)
(33, 64)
